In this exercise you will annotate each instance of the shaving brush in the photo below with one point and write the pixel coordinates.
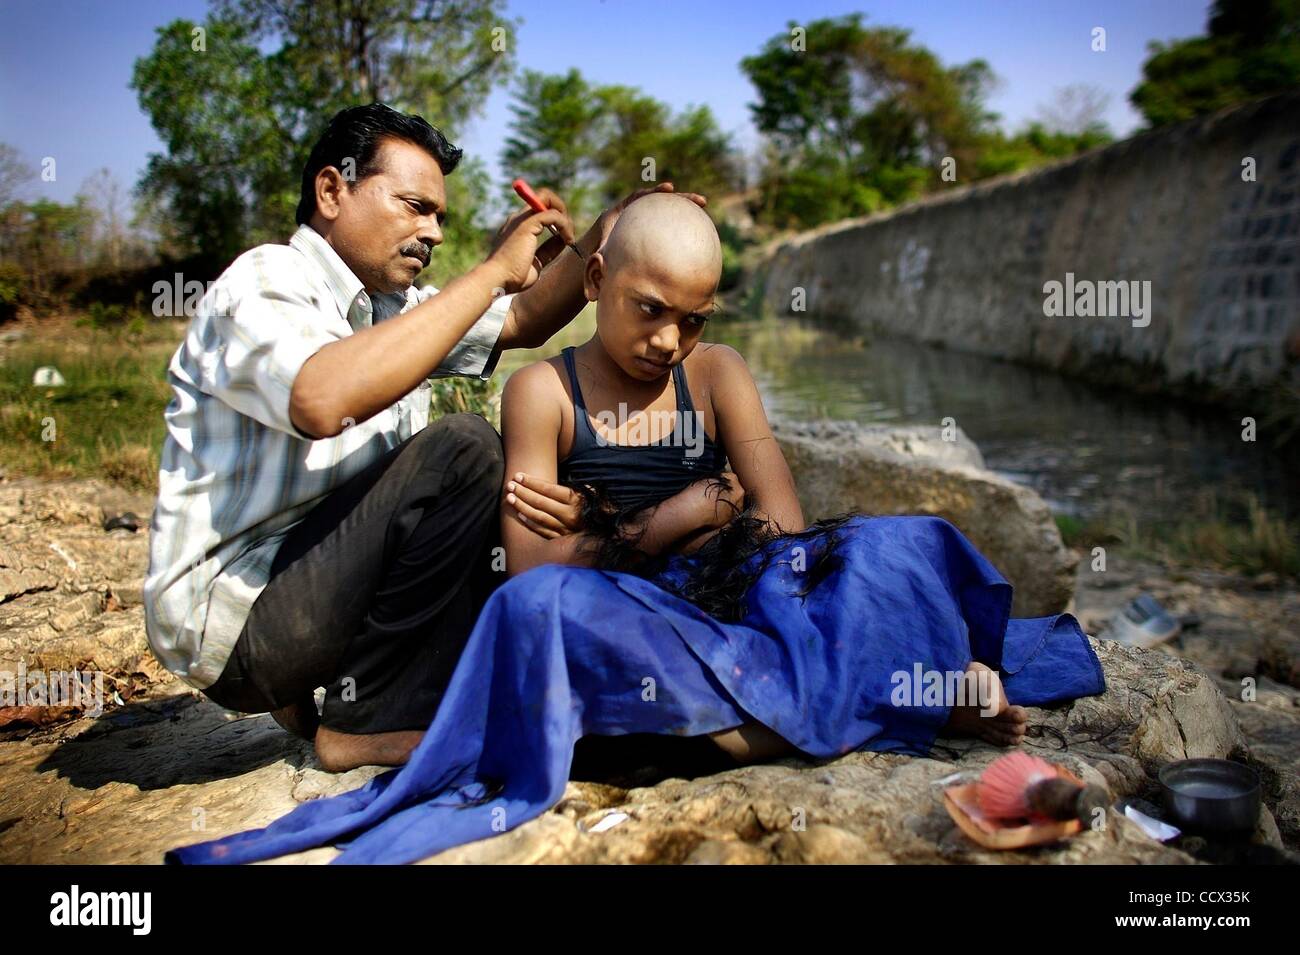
(1020, 786)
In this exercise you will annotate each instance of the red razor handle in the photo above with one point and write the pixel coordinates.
(526, 193)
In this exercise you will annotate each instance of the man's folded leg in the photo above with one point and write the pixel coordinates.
(375, 592)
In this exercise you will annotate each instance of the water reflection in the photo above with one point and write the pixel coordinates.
(1087, 450)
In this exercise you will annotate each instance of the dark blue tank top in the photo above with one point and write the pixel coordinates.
(640, 475)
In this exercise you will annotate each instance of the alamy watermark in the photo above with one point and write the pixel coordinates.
(179, 298)
(922, 687)
(687, 428)
(23, 687)
(1087, 299)
(75, 907)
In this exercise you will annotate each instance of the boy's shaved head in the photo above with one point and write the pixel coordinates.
(654, 282)
(666, 233)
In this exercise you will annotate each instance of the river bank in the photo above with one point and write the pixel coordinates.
(1173, 297)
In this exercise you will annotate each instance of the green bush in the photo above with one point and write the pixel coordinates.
(100, 316)
(733, 246)
(13, 285)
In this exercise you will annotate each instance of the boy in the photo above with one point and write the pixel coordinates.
(654, 282)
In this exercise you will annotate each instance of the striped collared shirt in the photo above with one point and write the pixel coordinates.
(236, 474)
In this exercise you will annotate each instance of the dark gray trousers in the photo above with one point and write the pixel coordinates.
(374, 594)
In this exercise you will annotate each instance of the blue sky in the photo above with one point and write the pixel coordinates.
(65, 64)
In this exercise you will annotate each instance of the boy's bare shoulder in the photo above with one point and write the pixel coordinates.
(721, 363)
(536, 386)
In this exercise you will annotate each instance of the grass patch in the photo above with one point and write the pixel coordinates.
(1240, 535)
(106, 421)
(460, 395)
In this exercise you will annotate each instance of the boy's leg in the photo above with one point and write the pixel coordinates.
(752, 743)
(374, 593)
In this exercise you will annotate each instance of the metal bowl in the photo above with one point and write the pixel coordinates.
(1211, 794)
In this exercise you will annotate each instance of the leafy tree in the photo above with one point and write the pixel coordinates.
(1252, 49)
(863, 111)
(15, 172)
(48, 248)
(590, 143)
(819, 188)
(633, 127)
(688, 149)
(238, 122)
(1034, 146)
(102, 192)
(552, 133)
(438, 58)
(230, 119)
(44, 238)
(1071, 123)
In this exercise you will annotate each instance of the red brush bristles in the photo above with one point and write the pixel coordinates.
(1005, 783)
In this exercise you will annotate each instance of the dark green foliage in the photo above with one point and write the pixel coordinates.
(1252, 49)
(239, 122)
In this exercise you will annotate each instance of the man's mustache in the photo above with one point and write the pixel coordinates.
(419, 250)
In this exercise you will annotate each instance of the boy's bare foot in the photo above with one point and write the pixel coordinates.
(300, 719)
(1004, 725)
(339, 752)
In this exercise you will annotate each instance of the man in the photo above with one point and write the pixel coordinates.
(312, 528)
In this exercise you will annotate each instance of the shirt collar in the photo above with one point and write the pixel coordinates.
(348, 290)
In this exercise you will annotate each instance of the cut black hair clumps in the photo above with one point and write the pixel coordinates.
(722, 569)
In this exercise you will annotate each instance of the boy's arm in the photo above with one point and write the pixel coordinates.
(701, 506)
(530, 428)
(748, 440)
(551, 302)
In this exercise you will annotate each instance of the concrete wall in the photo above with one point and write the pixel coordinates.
(967, 268)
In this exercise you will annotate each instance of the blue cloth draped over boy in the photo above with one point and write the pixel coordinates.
(561, 652)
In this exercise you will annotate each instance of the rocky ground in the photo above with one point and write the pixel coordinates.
(162, 766)
(1243, 632)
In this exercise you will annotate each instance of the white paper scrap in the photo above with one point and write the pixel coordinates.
(1154, 828)
(608, 822)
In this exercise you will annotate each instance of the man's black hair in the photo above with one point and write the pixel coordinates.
(356, 133)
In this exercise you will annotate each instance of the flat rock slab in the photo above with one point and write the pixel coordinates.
(880, 470)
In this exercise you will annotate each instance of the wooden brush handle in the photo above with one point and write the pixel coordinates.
(1061, 799)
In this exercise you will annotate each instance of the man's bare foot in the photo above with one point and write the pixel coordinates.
(300, 719)
(752, 743)
(1004, 724)
(339, 752)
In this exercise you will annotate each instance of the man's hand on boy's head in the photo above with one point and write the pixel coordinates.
(550, 510)
(604, 225)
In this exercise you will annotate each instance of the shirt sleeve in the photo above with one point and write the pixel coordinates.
(475, 355)
(264, 323)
